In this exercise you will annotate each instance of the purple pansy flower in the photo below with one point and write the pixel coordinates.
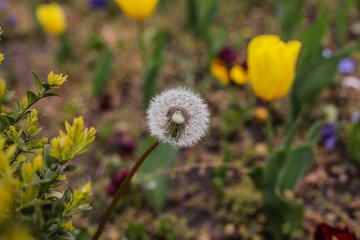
(329, 135)
(123, 146)
(98, 4)
(227, 55)
(346, 66)
(116, 180)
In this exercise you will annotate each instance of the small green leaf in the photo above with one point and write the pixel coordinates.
(43, 236)
(18, 104)
(157, 186)
(269, 133)
(102, 72)
(297, 163)
(354, 141)
(38, 82)
(63, 235)
(49, 174)
(81, 234)
(9, 118)
(36, 132)
(70, 168)
(31, 97)
(314, 133)
(50, 95)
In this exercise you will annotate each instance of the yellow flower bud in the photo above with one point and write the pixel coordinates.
(82, 194)
(86, 190)
(56, 79)
(28, 169)
(68, 227)
(137, 9)
(62, 178)
(2, 88)
(1, 57)
(51, 18)
(271, 66)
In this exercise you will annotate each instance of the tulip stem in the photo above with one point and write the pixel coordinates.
(120, 192)
(269, 131)
(141, 41)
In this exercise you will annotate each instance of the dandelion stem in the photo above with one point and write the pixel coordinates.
(120, 192)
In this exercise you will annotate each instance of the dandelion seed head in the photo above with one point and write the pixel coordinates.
(178, 116)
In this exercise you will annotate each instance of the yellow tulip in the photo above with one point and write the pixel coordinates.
(271, 66)
(51, 18)
(137, 9)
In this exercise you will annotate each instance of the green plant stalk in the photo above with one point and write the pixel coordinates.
(141, 43)
(269, 131)
(122, 189)
(40, 95)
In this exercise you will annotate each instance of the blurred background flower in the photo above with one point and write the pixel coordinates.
(355, 117)
(329, 135)
(98, 4)
(123, 146)
(52, 18)
(117, 178)
(225, 67)
(137, 9)
(11, 19)
(326, 232)
(347, 66)
(261, 111)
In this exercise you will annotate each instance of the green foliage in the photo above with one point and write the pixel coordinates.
(136, 231)
(65, 51)
(81, 234)
(341, 22)
(354, 141)
(216, 39)
(220, 174)
(156, 185)
(289, 15)
(102, 72)
(165, 228)
(200, 14)
(31, 170)
(153, 67)
(278, 177)
(314, 72)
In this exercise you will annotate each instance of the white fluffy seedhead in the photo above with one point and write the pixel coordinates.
(178, 116)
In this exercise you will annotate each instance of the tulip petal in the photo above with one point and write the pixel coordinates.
(137, 9)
